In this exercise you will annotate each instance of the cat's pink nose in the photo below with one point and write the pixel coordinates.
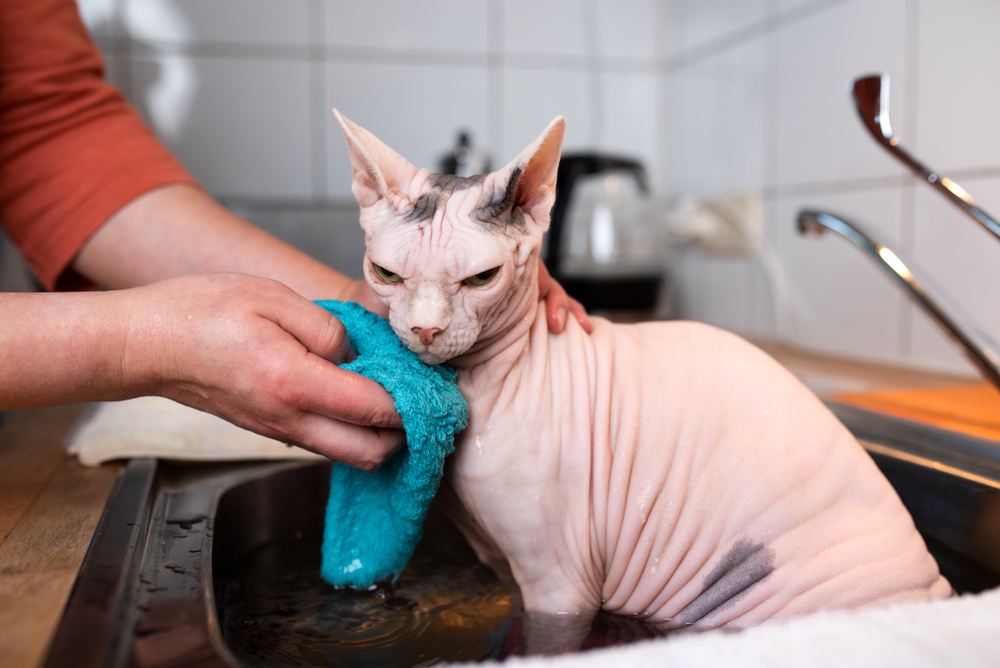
(426, 334)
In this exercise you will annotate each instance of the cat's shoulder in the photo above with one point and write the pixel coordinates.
(689, 333)
(702, 343)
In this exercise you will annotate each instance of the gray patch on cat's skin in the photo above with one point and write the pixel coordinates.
(495, 211)
(437, 189)
(502, 201)
(744, 565)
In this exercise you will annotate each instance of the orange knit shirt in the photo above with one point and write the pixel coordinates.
(72, 151)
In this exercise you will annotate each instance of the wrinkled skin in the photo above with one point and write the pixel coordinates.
(665, 471)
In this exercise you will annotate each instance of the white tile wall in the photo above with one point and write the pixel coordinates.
(545, 26)
(820, 138)
(628, 28)
(263, 76)
(257, 22)
(715, 95)
(958, 98)
(532, 98)
(99, 17)
(435, 25)
(963, 259)
(813, 151)
(247, 131)
(840, 300)
(785, 5)
(414, 109)
(717, 122)
(253, 122)
(696, 22)
(731, 292)
(626, 129)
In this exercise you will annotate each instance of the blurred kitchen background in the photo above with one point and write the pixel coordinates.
(736, 108)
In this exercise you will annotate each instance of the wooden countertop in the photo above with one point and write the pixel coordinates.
(827, 375)
(49, 509)
(50, 505)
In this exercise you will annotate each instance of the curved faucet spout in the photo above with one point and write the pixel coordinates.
(981, 350)
(871, 95)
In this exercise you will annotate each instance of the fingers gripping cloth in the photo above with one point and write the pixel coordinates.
(374, 520)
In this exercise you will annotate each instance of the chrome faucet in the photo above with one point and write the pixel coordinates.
(981, 350)
(871, 95)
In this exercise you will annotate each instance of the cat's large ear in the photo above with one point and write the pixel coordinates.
(535, 172)
(378, 170)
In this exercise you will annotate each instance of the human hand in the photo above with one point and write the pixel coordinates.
(255, 353)
(558, 304)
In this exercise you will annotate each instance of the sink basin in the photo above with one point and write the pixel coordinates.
(949, 482)
(215, 565)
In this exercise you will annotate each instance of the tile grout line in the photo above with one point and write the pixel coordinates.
(495, 107)
(659, 171)
(375, 55)
(769, 24)
(908, 193)
(770, 163)
(595, 88)
(318, 100)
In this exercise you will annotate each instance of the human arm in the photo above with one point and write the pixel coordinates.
(178, 229)
(73, 157)
(87, 191)
(247, 349)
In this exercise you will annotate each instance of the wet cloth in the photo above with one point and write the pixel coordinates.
(374, 520)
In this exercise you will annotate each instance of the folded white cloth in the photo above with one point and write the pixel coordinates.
(960, 631)
(161, 428)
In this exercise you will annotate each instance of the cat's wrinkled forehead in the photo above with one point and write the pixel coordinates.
(514, 202)
(495, 209)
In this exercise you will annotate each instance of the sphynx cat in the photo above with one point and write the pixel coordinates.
(664, 471)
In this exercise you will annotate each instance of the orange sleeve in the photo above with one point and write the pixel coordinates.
(72, 151)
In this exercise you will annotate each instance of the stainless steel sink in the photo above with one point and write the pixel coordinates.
(950, 483)
(175, 540)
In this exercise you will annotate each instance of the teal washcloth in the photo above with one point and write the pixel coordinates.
(374, 520)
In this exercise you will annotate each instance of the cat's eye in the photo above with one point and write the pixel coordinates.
(483, 277)
(385, 275)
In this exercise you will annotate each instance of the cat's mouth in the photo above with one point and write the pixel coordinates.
(431, 358)
(441, 350)
(428, 353)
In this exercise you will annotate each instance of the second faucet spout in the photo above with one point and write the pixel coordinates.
(977, 346)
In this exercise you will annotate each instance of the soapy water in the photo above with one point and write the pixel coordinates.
(444, 607)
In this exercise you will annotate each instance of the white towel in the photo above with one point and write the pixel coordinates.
(929, 634)
(158, 427)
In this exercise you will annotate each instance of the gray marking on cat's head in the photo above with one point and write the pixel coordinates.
(741, 568)
(436, 191)
(495, 211)
(492, 210)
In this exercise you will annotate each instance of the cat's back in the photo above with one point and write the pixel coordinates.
(734, 494)
(658, 460)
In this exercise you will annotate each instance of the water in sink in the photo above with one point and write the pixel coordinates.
(445, 606)
(275, 610)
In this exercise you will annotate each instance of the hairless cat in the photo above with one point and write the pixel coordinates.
(665, 471)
